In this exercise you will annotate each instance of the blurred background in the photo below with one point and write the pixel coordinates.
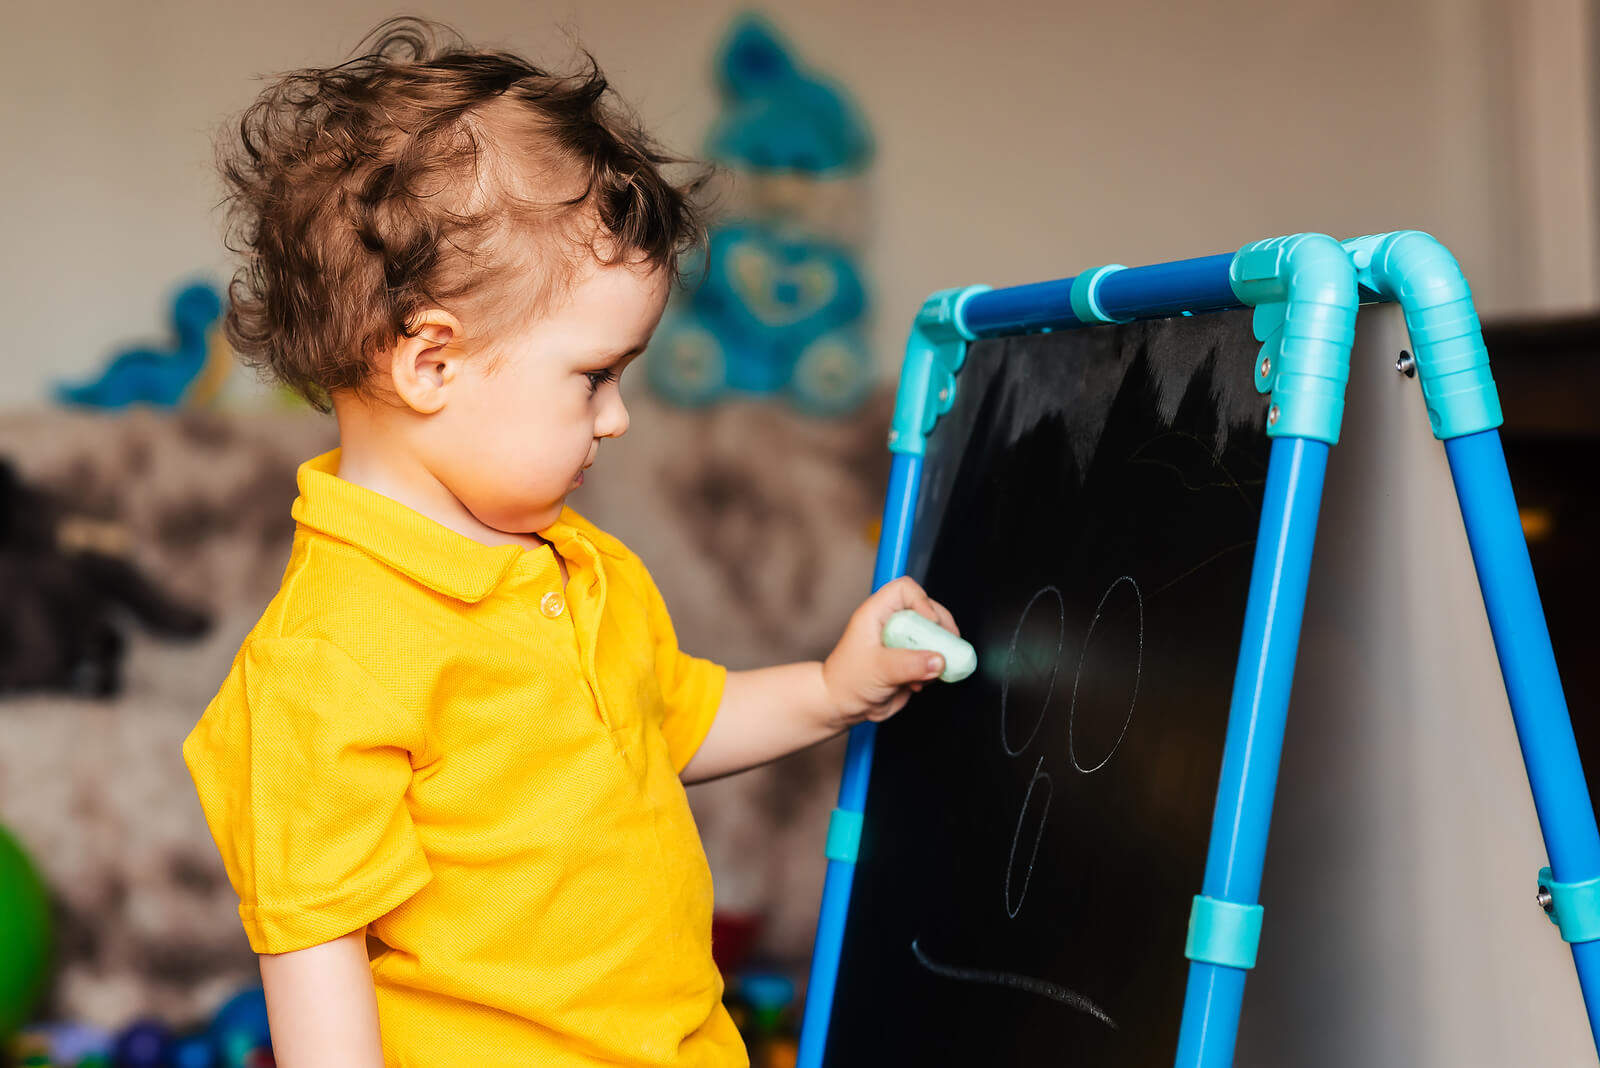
(872, 152)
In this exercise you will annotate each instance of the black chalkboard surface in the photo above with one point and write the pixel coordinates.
(1034, 835)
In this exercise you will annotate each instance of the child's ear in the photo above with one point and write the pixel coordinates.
(424, 364)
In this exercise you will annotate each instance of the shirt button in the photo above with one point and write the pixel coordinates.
(551, 604)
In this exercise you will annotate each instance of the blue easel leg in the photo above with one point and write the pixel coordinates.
(1211, 1014)
(824, 979)
(1538, 706)
(1586, 955)
(1256, 718)
(900, 506)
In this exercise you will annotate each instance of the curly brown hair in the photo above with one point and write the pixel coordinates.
(362, 194)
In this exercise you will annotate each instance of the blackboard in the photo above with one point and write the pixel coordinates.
(1035, 834)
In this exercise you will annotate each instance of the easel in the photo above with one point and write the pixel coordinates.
(1306, 290)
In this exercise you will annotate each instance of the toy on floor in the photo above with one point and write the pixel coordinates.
(776, 305)
(144, 1045)
(24, 935)
(734, 935)
(64, 1043)
(66, 583)
(761, 1003)
(236, 1037)
(239, 1029)
(190, 371)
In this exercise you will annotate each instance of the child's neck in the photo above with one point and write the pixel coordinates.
(368, 459)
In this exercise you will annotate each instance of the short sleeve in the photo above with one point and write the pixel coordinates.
(302, 764)
(691, 688)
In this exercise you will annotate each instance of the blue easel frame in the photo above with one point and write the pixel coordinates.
(1306, 289)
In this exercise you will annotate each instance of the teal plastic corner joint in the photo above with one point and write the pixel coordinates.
(1223, 932)
(1572, 907)
(1085, 299)
(1303, 288)
(1416, 271)
(844, 835)
(935, 351)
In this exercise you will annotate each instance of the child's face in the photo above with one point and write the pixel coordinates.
(523, 430)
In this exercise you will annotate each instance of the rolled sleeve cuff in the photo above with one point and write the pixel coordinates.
(285, 927)
(695, 709)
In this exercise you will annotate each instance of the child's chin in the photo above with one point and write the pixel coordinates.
(529, 520)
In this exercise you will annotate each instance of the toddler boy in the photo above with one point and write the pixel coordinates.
(446, 769)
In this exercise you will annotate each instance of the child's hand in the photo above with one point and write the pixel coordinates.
(864, 679)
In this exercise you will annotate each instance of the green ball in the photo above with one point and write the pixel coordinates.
(24, 936)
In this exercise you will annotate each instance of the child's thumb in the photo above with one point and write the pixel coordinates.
(903, 666)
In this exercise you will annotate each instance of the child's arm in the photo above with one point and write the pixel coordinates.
(770, 712)
(321, 1006)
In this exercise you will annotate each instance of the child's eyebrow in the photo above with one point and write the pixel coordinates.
(620, 356)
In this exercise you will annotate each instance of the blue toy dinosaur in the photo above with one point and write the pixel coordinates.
(152, 376)
(773, 307)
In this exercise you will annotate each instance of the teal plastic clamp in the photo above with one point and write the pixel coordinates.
(1085, 299)
(844, 835)
(1572, 907)
(1223, 932)
(1416, 271)
(1303, 288)
(935, 351)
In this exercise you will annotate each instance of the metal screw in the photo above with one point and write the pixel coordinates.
(1405, 364)
(1545, 899)
(1272, 415)
(894, 436)
(944, 395)
(1266, 366)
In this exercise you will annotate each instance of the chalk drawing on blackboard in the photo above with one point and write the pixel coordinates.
(1011, 659)
(1039, 775)
(1247, 543)
(1138, 669)
(1070, 998)
(1212, 462)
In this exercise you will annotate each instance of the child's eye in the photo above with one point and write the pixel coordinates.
(599, 378)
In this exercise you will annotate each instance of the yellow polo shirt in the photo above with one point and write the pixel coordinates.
(433, 739)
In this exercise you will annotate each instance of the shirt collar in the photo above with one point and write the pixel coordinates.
(411, 543)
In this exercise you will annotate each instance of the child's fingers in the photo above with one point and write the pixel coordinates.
(893, 705)
(943, 617)
(901, 667)
(905, 592)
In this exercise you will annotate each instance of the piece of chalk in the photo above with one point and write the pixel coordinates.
(908, 630)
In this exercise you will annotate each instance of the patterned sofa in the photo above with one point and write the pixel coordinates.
(757, 524)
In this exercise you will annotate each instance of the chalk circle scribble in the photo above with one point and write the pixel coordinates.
(1138, 667)
(1031, 661)
(1039, 775)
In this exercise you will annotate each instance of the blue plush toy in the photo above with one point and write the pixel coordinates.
(155, 376)
(779, 118)
(773, 307)
(770, 311)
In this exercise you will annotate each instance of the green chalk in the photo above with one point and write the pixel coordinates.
(908, 630)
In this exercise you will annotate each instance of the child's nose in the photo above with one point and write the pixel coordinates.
(614, 421)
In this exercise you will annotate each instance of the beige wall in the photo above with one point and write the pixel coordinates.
(1019, 140)
(1400, 925)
